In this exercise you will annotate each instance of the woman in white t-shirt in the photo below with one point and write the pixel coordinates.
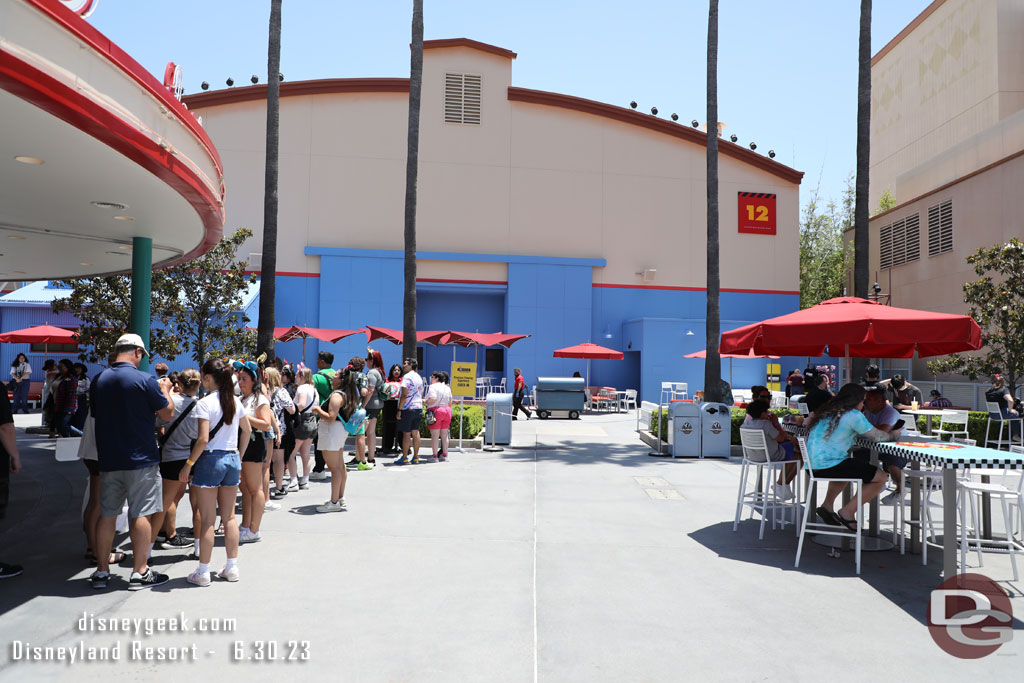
(261, 420)
(439, 403)
(217, 459)
(305, 428)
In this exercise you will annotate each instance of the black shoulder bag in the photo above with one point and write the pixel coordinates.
(174, 425)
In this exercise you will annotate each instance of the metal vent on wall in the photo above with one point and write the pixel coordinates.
(900, 242)
(940, 228)
(462, 98)
(255, 261)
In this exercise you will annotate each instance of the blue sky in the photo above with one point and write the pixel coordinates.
(787, 70)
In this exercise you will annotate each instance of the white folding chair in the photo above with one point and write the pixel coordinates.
(996, 416)
(954, 423)
(755, 457)
(1011, 501)
(820, 528)
(629, 400)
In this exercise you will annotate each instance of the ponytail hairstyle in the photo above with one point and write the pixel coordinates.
(349, 388)
(221, 374)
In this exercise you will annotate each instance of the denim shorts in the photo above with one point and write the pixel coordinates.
(217, 468)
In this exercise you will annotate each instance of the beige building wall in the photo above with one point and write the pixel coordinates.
(954, 73)
(530, 179)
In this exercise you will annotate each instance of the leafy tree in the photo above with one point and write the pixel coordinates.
(207, 318)
(996, 302)
(104, 304)
(825, 255)
(713, 362)
(411, 172)
(885, 202)
(268, 263)
(195, 305)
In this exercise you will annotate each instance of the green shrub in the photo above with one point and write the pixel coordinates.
(472, 422)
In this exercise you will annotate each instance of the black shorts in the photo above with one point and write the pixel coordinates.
(288, 442)
(851, 468)
(93, 466)
(257, 450)
(171, 470)
(372, 413)
(410, 421)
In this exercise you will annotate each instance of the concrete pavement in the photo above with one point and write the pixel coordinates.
(569, 556)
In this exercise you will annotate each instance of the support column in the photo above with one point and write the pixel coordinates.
(142, 278)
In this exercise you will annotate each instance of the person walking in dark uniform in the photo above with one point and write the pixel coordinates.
(518, 392)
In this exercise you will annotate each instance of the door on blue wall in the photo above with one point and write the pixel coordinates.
(466, 311)
(631, 372)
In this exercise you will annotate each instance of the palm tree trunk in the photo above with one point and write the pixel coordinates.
(268, 264)
(411, 168)
(861, 237)
(713, 362)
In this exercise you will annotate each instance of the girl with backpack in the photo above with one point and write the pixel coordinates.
(305, 428)
(341, 418)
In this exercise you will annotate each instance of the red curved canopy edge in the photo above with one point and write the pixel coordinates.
(40, 334)
(849, 326)
(467, 339)
(395, 336)
(703, 353)
(325, 335)
(588, 350)
(32, 85)
(87, 33)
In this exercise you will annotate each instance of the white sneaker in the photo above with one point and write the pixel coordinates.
(293, 485)
(318, 476)
(332, 507)
(229, 574)
(270, 506)
(246, 536)
(783, 491)
(199, 579)
(892, 499)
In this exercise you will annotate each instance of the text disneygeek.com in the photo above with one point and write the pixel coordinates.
(138, 647)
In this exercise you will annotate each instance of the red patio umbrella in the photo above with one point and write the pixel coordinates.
(850, 326)
(588, 351)
(467, 339)
(703, 353)
(40, 334)
(395, 336)
(287, 334)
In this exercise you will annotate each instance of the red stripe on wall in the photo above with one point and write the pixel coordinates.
(693, 289)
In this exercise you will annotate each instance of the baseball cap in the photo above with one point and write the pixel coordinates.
(935, 392)
(131, 340)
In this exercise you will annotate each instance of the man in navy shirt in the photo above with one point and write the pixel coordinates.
(124, 401)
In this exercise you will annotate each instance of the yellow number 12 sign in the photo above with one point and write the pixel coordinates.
(757, 213)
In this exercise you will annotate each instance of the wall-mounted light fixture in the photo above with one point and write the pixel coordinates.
(648, 274)
(689, 333)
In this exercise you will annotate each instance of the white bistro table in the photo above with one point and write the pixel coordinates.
(928, 413)
(951, 457)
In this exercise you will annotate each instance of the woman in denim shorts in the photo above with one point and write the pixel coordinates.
(215, 466)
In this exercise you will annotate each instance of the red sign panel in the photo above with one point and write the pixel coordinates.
(757, 213)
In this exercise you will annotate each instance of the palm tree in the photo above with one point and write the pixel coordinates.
(268, 263)
(861, 238)
(713, 362)
(411, 168)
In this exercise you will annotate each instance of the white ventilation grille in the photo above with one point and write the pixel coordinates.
(940, 228)
(255, 261)
(462, 98)
(900, 242)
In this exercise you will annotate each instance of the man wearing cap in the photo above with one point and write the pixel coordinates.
(902, 394)
(124, 401)
(938, 400)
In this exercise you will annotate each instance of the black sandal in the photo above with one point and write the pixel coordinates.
(850, 524)
(829, 517)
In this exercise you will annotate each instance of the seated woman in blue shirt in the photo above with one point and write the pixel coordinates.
(833, 429)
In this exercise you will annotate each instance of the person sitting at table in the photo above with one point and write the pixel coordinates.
(871, 374)
(884, 417)
(760, 393)
(938, 400)
(819, 393)
(902, 394)
(833, 429)
(1001, 395)
(781, 446)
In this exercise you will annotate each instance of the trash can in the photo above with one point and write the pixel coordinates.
(715, 430)
(560, 397)
(684, 421)
(498, 418)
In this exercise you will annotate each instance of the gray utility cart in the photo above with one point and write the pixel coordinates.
(561, 397)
